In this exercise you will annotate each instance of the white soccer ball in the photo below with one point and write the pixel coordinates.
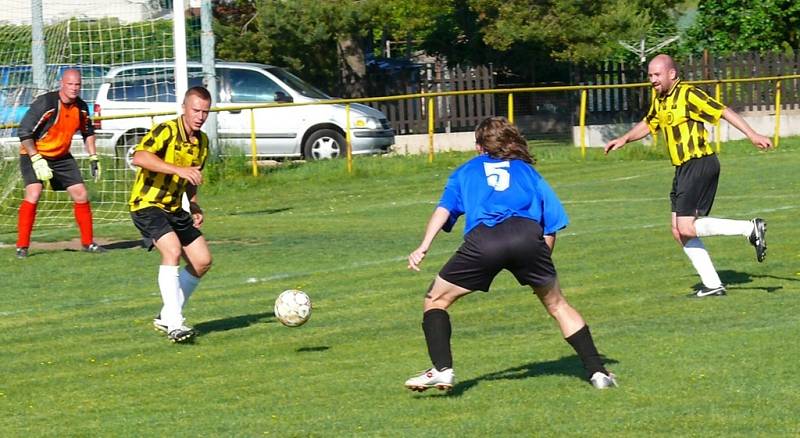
(293, 308)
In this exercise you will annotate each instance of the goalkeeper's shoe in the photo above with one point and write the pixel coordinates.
(22, 253)
(181, 334)
(432, 378)
(94, 248)
(758, 238)
(160, 324)
(601, 380)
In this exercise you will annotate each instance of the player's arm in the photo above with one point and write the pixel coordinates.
(150, 161)
(737, 121)
(639, 131)
(550, 240)
(437, 220)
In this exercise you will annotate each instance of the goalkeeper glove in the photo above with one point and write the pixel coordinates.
(94, 166)
(40, 168)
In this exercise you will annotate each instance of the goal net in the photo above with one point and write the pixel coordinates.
(92, 36)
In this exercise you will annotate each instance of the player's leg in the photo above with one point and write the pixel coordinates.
(576, 333)
(472, 267)
(198, 262)
(156, 228)
(68, 175)
(436, 326)
(27, 209)
(693, 192)
(26, 218)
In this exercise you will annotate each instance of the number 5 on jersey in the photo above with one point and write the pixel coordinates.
(497, 176)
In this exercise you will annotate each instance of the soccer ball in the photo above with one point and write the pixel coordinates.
(293, 308)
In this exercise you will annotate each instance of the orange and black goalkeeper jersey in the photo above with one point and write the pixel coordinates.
(51, 124)
(680, 114)
(168, 141)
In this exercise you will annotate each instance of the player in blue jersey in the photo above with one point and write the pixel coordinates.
(512, 216)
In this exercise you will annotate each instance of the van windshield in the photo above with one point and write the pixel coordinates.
(298, 84)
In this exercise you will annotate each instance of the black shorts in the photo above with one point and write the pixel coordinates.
(154, 223)
(516, 244)
(65, 171)
(695, 186)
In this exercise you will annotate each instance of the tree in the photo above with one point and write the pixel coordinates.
(727, 26)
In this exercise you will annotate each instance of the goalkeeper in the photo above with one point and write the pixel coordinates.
(45, 134)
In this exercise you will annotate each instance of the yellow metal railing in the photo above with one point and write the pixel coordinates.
(429, 99)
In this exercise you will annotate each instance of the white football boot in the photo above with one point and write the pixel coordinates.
(432, 378)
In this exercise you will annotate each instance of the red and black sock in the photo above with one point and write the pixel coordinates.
(27, 215)
(83, 216)
(436, 325)
(583, 344)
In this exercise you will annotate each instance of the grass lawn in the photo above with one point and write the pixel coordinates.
(79, 355)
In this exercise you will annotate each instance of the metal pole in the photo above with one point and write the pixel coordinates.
(430, 129)
(717, 129)
(583, 123)
(209, 72)
(511, 107)
(38, 51)
(348, 139)
(777, 136)
(179, 49)
(253, 151)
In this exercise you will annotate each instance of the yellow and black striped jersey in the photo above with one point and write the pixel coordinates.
(168, 141)
(680, 114)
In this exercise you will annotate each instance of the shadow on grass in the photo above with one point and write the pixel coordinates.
(123, 244)
(313, 349)
(232, 323)
(736, 278)
(566, 366)
(265, 211)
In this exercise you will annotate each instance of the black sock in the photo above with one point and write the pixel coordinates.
(436, 325)
(583, 344)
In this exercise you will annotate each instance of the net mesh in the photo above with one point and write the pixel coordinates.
(93, 36)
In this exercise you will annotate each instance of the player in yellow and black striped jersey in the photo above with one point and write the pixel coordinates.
(680, 111)
(169, 142)
(170, 159)
(681, 114)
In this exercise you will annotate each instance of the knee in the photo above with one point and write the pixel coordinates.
(171, 255)
(202, 266)
(556, 305)
(80, 195)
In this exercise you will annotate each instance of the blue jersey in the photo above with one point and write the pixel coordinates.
(489, 191)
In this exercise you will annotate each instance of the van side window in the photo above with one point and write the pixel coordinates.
(249, 86)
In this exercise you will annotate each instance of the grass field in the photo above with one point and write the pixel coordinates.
(79, 356)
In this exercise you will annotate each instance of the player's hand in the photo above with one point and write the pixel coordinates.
(94, 166)
(415, 258)
(614, 145)
(761, 142)
(40, 168)
(197, 214)
(191, 174)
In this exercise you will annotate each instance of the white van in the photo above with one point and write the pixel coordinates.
(312, 132)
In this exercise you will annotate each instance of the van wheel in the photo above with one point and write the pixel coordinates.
(324, 144)
(126, 147)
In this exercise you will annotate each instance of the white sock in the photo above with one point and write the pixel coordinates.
(188, 283)
(701, 261)
(171, 296)
(711, 226)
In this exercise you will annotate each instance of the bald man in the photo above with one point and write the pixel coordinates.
(680, 112)
(45, 135)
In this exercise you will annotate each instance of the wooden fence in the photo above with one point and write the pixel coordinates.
(451, 113)
(625, 105)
